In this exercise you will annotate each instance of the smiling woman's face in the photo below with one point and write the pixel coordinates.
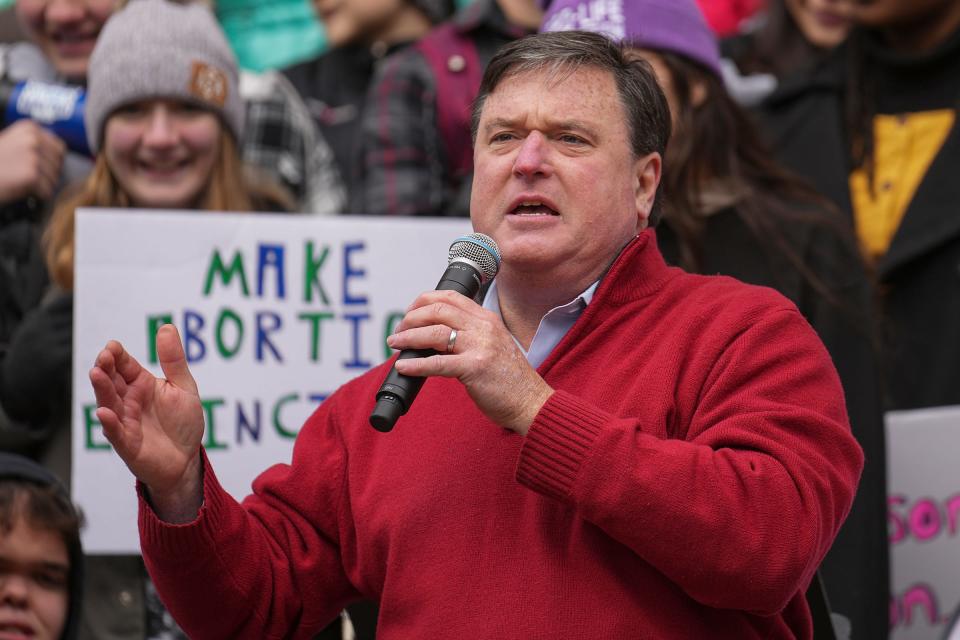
(65, 30)
(162, 152)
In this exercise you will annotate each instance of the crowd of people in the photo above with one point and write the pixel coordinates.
(808, 153)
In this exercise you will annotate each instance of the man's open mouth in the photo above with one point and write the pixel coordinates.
(533, 208)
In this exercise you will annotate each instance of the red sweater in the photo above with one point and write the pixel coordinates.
(684, 481)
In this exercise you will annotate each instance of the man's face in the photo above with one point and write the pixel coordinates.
(66, 30)
(34, 568)
(556, 183)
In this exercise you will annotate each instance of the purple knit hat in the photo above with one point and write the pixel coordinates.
(677, 26)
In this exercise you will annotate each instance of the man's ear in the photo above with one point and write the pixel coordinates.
(646, 180)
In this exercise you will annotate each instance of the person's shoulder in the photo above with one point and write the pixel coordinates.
(403, 69)
(322, 73)
(825, 79)
(803, 108)
(311, 67)
(261, 85)
(738, 46)
(722, 296)
(273, 87)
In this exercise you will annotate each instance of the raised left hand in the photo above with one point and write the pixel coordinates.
(484, 357)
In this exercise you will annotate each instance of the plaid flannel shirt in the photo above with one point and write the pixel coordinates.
(281, 139)
(404, 167)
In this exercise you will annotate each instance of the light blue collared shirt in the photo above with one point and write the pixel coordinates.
(553, 326)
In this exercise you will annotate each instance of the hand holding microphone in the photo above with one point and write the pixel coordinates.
(473, 260)
(446, 333)
(30, 162)
(38, 123)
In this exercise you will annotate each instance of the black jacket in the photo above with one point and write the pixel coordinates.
(919, 276)
(23, 280)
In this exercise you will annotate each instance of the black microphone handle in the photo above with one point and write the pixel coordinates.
(398, 391)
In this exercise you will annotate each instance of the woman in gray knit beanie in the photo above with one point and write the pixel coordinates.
(164, 116)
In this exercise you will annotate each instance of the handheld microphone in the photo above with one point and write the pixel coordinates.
(473, 261)
(56, 107)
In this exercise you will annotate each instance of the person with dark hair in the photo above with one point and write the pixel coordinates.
(41, 561)
(607, 447)
(874, 128)
(360, 33)
(416, 156)
(731, 209)
(790, 37)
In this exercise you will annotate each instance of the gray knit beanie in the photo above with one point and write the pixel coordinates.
(161, 49)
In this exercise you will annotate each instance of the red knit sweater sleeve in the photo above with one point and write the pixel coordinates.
(271, 565)
(742, 499)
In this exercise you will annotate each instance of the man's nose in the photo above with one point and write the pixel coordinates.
(161, 129)
(533, 157)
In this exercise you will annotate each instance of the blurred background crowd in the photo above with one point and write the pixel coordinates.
(814, 150)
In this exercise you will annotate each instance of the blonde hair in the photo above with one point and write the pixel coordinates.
(232, 187)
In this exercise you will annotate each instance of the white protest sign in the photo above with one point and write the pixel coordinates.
(923, 507)
(275, 311)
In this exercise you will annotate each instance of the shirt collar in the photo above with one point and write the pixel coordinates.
(553, 326)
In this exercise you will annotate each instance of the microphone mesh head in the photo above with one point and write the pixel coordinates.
(479, 249)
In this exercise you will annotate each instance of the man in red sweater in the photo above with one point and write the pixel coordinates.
(607, 448)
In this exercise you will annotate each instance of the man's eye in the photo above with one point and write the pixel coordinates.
(569, 138)
(502, 137)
